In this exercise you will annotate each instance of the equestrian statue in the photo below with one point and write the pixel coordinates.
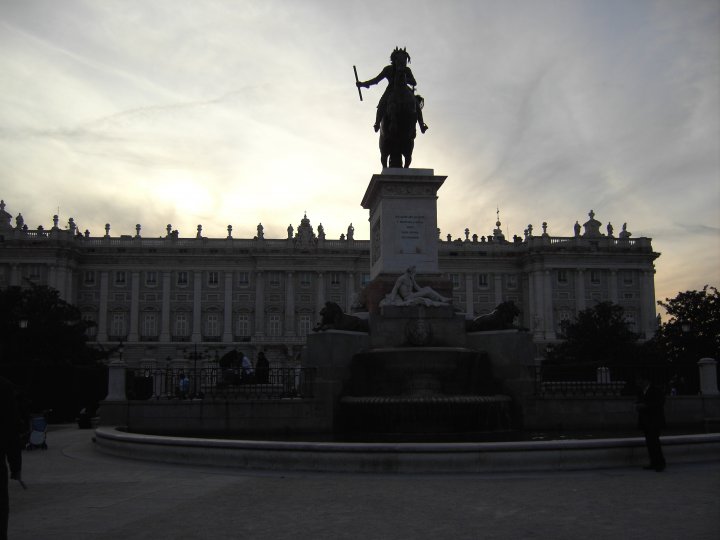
(398, 111)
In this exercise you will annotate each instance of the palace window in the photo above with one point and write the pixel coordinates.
(595, 276)
(182, 328)
(483, 281)
(213, 279)
(89, 277)
(149, 325)
(274, 279)
(304, 325)
(305, 279)
(120, 278)
(212, 324)
(627, 277)
(151, 278)
(89, 319)
(364, 279)
(335, 278)
(511, 281)
(182, 278)
(243, 279)
(562, 276)
(274, 326)
(455, 280)
(564, 315)
(242, 325)
(118, 327)
(631, 321)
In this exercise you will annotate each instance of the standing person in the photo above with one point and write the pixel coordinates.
(651, 419)
(262, 369)
(183, 386)
(10, 447)
(247, 369)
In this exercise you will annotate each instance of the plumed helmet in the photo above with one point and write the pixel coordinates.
(398, 51)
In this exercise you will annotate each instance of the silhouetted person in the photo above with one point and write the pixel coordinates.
(651, 419)
(10, 447)
(262, 369)
(248, 372)
(183, 386)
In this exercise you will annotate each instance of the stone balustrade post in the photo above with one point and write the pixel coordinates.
(708, 377)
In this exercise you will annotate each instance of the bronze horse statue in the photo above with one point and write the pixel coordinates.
(397, 128)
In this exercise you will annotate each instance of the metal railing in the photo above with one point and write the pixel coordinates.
(219, 383)
(592, 380)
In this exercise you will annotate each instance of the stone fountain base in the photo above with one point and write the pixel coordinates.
(433, 391)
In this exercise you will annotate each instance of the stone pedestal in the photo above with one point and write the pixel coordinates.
(417, 326)
(403, 221)
(708, 377)
(116, 381)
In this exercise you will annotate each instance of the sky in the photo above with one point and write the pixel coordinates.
(179, 112)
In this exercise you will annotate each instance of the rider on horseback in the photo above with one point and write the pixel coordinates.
(398, 59)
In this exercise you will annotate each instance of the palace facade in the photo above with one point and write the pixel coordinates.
(168, 298)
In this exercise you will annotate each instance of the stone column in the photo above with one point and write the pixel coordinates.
(165, 314)
(350, 291)
(539, 311)
(103, 308)
(70, 285)
(289, 304)
(531, 313)
(498, 289)
(469, 294)
(648, 317)
(51, 277)
(260, 303)
(228, 316)
(613, 291)
(320, 301)
(708, 377)
(61, 282)
(15, 276)
(579, 290)
(134, 305)
(197, 308)
(548, 305)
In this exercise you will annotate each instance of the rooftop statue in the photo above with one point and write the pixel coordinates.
(398, 111)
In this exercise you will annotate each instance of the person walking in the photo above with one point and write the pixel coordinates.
(651, 420)
(10, 449)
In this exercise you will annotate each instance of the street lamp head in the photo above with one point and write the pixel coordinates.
(23, 323)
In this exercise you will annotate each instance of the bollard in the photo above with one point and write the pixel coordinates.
(708, 377)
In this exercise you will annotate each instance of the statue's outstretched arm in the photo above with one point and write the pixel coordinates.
(371, 82)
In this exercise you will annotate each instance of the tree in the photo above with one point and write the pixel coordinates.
(38, 328)
(44, 351)
(693, 330)
(599, 336)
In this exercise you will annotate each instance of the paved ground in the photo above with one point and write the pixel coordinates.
(74, 492)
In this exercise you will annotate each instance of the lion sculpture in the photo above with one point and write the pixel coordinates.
(501, 318)
(333, 318)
